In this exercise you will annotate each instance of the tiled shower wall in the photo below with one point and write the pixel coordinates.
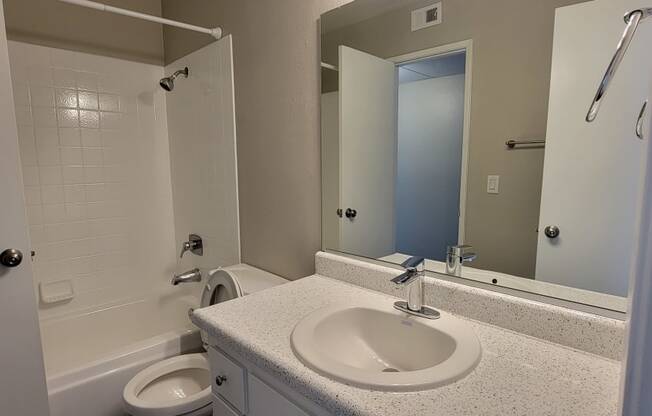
(95, 156)
(201, 130)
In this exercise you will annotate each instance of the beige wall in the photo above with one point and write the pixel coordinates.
(511, 77)
(275, 45)
(59, 25)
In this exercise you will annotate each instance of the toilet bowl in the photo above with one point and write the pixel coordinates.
(181, 385)
(176, 386)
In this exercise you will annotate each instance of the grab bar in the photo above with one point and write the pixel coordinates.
(632, 19)
(513, 143)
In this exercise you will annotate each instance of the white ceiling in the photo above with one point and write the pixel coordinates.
(452, 64)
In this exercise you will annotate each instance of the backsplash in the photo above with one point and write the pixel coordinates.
(95, 156)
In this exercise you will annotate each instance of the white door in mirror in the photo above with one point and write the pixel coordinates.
(592, 171)
(368, 126)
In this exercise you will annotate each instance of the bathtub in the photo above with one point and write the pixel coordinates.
(90, 357)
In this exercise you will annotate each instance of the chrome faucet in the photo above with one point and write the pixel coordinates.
(413, 278)
(195, 245)
(193, 275)
(456, 256)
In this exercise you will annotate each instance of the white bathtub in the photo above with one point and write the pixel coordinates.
(90, 357)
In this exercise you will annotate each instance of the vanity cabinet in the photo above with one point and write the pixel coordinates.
(238, 392)
(228, 379)
(265, 401)
(221, 408)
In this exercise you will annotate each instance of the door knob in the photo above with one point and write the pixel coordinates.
(351, 213)
(11, 257)
(551, 231)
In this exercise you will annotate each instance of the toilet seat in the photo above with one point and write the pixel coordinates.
(221, 286)
(149, 393)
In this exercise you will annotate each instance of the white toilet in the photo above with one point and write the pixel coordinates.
(181, 385)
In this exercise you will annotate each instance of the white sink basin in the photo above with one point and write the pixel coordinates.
(374, 346)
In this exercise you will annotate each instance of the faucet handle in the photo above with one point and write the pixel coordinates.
(467, 257)
(407, 277)
(195, 245)
(462, 252)
(411, 273)
(413, 262)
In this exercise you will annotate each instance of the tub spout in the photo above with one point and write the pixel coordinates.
(193, 275)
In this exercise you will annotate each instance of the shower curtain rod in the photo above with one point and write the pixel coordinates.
(216, 32)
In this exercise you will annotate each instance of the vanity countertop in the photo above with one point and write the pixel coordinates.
(517, 375)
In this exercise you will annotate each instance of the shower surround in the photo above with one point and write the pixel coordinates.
(106, 183)
(95, 156)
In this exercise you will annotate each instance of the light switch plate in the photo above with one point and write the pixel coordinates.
(426, 16)
(493, 184)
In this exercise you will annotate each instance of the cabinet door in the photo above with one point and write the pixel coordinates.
(265, 401)
(228, 379)
(220, 408)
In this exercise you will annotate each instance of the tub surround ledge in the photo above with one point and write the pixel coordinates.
(518, 374)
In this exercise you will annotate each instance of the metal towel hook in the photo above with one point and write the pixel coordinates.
(640, 121)
(632, 19)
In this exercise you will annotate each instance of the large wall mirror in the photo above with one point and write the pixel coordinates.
(459, 125)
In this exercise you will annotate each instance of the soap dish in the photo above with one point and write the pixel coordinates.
(55, 292)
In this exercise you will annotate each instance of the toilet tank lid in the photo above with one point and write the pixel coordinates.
(252, 279)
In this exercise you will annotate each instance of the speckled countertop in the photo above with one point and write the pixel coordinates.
(518, 374)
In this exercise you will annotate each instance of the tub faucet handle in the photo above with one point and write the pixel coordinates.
(195, 245)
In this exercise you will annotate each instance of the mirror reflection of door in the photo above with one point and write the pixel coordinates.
(399, 151)
(368, 115)
(592, 172)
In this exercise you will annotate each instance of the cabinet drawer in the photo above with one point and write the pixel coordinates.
(265, 401)
(227, 379)
(220, 408)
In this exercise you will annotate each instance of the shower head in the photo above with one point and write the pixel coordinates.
(167, 83)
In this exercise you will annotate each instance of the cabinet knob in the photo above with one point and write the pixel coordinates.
(219, 380)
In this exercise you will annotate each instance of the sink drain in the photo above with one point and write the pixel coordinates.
(390, 370)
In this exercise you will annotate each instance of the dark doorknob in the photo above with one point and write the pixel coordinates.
(11, 257)
(351, 213)
(551, 231)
